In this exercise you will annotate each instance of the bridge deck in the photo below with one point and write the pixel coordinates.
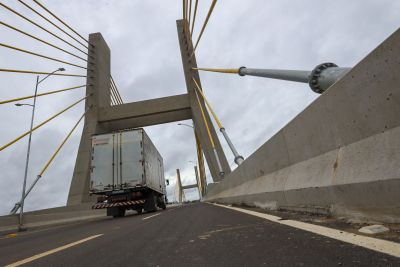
(191, 235)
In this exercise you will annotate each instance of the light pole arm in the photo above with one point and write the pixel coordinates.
(47, 76)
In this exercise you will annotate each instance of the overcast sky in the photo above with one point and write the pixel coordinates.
(286, 34)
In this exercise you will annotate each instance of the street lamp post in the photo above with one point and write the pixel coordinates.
(21, 214)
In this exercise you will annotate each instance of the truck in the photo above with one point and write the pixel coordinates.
(127, 173)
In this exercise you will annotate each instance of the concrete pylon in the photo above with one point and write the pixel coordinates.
(181, 188)
(202, 180)
(103, 118)
(98, 87)
(189, 62)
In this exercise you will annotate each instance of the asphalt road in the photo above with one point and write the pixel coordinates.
(192, 235)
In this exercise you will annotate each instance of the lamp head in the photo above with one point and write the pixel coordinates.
(61, 69)
(18, 104)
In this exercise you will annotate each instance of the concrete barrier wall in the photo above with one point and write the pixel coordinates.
(52, 216)
(341, 155)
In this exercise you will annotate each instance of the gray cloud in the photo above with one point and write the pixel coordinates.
(146, 64)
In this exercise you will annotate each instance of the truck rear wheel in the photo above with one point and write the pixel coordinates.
(116, 212)
(151, 202)
(121, 213)
(161, 202)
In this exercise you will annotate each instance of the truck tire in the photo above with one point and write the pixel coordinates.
(150, 204)
(161, 202)
(119, 213)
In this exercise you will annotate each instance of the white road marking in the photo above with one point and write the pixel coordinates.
(151, 216)
(383, 246)
(44, 254)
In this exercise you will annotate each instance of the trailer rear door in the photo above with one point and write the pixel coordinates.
(102, 163)
(131, 158)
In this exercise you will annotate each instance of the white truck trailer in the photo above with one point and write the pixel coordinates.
(127, 172)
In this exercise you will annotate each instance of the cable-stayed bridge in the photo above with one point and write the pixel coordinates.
(338, 158)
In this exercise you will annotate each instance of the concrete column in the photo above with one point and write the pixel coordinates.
(186, 47)
(98, 80)
(199, 185)
(179, 184)
(202, 171)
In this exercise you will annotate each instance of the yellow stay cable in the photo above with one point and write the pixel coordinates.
(41, 94)
(52, 23)
(194, 16)
(113, 99)
(44, 29)
(207, 103)
(190, 11)
(221, 172)
(41, 124)
(231, 71)
(40, 40)
(63, 143)
(205, 121)
(204, 25)
(38, 72)
(65, 24)
(184, 9)
(115, 86)
(39, 55)
(115, 94)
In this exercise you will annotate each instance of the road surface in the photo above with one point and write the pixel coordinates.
(192, 235)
